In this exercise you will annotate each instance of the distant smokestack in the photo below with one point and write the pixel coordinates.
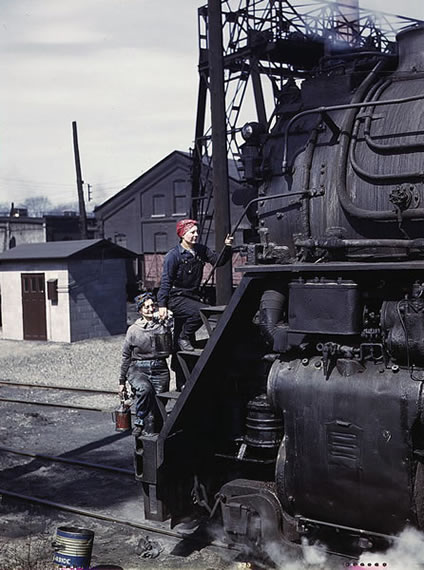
(348, 18)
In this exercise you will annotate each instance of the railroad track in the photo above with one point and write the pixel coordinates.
(59, 459)
(57, 389)
(153, 529)
(13, 487)
(100, 516)
(104, 501)
(5, 382)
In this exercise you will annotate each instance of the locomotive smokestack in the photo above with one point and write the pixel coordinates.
(348, 28)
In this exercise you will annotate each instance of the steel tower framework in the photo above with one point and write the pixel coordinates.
(266, 42)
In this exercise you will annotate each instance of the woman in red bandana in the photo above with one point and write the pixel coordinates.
(181, 278)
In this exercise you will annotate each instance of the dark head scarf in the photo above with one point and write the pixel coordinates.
(141, 299)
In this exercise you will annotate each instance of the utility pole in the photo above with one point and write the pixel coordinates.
(219, 148)
(82, 212)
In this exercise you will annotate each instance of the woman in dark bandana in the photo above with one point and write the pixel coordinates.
(147, 345)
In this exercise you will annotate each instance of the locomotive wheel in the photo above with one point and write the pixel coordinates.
(419, 495)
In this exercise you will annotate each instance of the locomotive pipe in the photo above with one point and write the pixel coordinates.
(380, 178)
(387, 148)
(305, 207)
(337, 243)
(270, 314)
(323, 110)
(346, 129)
(253, 201)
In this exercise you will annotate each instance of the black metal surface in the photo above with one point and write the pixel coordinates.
(328, 318)
(356, 435)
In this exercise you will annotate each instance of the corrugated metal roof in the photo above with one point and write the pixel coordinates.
(61, 249)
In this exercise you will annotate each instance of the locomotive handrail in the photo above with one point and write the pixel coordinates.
(233, 231)
(324, 110)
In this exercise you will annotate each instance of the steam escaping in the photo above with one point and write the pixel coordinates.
(406, 552)
(312, 553)
(311, 556)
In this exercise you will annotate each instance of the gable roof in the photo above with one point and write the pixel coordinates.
(66, 249)
(174, 155)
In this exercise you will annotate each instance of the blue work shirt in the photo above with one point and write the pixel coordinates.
(183, 270)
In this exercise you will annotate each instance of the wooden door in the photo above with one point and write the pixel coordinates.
(34, 306)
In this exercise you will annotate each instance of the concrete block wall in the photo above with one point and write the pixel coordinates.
(97, 292)
(57, 315)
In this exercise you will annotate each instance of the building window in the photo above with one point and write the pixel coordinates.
(158, 205)
(161, 242)
(121, 239)
(180, 198)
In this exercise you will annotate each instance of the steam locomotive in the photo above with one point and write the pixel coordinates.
(303, 415)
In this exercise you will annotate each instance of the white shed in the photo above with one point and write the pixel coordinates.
(64, 291)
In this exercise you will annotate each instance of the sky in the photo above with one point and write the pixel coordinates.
(124, 70)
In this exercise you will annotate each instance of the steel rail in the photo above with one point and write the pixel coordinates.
(54, 387)
(91, 514)
(31, 402)
(78, 462)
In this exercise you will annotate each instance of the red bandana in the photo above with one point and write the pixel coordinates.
(183, 226)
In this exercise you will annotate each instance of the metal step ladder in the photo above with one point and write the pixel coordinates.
(188, 358)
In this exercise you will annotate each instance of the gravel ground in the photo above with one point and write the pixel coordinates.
(90, 363)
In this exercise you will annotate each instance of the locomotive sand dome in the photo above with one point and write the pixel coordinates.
(327, 325)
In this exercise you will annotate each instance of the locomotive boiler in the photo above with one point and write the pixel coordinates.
(303, 414)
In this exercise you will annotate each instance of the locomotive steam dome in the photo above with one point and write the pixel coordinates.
(411, 48)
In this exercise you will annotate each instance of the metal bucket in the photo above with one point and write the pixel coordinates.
(73, 547)
(122, 418)
(162, 344)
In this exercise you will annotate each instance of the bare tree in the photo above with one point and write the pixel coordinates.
(4, 208)
(37, 205)
(65, 207)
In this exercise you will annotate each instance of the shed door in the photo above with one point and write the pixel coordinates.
(34, 306)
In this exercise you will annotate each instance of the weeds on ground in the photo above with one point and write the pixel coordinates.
(31, 553)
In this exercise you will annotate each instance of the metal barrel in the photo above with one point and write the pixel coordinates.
(73, 547)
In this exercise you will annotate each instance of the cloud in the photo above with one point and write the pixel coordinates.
(125, 70)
